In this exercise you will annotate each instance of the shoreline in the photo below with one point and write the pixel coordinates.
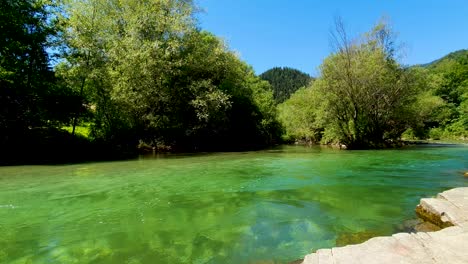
(77, 152)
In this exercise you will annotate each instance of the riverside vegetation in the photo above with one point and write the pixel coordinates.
(93, 77)
(364, 98)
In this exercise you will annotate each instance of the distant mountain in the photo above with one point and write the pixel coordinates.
(285, 81)
(460, 56)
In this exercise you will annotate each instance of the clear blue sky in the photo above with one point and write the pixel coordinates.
(295, 33)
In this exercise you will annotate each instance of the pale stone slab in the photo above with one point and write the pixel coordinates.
(311, 259)
(419, 253)
(325, 256)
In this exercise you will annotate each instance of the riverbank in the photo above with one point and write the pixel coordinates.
(50, 146)
(449, 210)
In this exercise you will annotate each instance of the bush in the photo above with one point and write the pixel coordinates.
(436, 133)
(409, 134)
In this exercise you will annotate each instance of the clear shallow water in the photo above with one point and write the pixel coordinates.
(252, 207)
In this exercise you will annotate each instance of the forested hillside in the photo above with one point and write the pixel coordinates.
(285, 81)
(446, 82)
(459, 55)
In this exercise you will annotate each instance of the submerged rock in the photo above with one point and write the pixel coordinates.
(354, 238)
(426, 227)
(424, 212)
(417, 225)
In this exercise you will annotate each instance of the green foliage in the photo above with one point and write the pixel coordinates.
(30, 95)
(363, 97)
(436, 133)
(143, 73)
(153, 77)
(459, 55)
(83, 130)
(409, 134)
(299, 114)
(24, 75)
(285, 81)
(446, 83)
(138, 72)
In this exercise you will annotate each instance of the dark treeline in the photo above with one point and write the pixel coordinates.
(85, 79)
(32, 101)
(285, 81)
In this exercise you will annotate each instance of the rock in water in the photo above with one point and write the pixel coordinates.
(354, 238)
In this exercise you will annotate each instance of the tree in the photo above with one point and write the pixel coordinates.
(23, 65)
(155, 79)
(299, 115)
(368, 95)
(30, 96)
(362, 99)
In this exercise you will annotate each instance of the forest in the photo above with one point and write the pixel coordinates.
(107, 77)
(285, 81)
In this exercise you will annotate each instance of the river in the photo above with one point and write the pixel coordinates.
(270, 206)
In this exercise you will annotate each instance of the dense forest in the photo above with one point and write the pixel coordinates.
(446, 82)
(285, 81)
(93, 77)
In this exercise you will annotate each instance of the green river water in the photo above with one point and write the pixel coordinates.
(270, 206)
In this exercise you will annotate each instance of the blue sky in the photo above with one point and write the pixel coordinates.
(295, 33)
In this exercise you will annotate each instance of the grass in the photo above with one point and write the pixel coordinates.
(83, 129)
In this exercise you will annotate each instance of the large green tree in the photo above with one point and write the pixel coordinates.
(151, 76)
(363, 98)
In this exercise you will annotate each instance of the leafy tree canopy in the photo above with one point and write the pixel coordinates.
(447, 80)
(29, 93)
(153, 77)
(363, 98)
